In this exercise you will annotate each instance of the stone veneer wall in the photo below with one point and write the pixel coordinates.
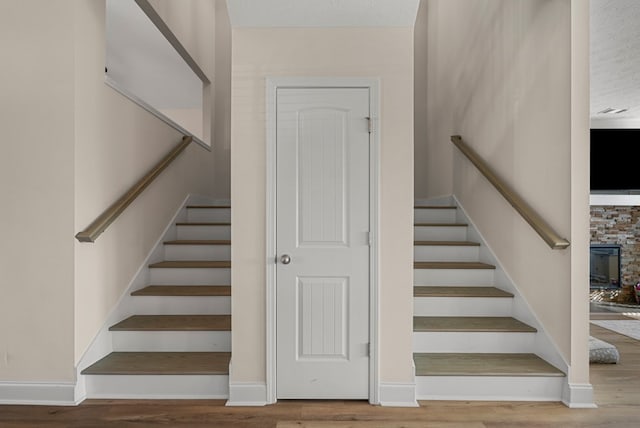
(619, 225)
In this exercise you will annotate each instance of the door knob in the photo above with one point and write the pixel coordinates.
(285, 259)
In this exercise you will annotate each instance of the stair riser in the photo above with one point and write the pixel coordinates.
(444, 253)
(489, 388)
(440, 233)
(190, 276)
(171, 341)
(172, 305)
(434, 215)
(203, 232)
(462, 306)
(204, 215)
(473, 342)
(466, 277)
(197, 252)
(157, 386)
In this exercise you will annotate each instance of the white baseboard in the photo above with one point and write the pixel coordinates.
(578, 396)
(398, 394)
(247, 394)
(38, 393)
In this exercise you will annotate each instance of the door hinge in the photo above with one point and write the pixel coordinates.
(369, 349)
(371, 125)
(369, 240)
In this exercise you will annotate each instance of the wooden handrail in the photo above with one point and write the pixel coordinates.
(91, 233)
(535, 221)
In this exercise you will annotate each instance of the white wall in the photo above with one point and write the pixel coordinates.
(386, 53)
(36, 190)
(117, 142)
(500, 75)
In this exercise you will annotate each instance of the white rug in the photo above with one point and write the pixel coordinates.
(630, 328)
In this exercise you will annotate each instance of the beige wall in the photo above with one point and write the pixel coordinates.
(420, 101)
(222, 79)
(193, 22)
(36, 190)
(341, 52)
(500, 75)
(580, 188)
(117, 142)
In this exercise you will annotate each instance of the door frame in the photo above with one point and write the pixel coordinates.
(272, 85)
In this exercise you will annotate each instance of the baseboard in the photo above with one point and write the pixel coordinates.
(398, 394)
(38, 393)
(578, 396)
(247, 394)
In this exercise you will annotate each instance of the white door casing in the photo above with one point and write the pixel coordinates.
(322, 213)
(322, 240)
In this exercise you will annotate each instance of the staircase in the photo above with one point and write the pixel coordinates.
(467, 344)
(177, 342)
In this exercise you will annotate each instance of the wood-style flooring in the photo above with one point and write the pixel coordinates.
(617, 392)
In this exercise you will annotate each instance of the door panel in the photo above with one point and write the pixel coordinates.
(322, 295)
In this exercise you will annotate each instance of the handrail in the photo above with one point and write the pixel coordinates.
(535, 221)
(95, 229)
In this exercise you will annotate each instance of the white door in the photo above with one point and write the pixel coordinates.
(322, 288)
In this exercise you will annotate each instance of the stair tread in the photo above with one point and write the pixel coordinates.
(452, 265)
(208, 206)
(192, 264)
(184, 290)
(470, 324)
(198, 242)
(435, 207)
(459, 364)
(161, 363)
(456, 291)
(174, 323)
(204, 223)
(447, 243)
(442, 224)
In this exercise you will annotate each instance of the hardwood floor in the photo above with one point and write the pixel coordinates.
(617, 392)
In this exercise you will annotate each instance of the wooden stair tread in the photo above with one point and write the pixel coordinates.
(441, 224)
(447, 243)
(204, 223)
(161, 363)
(208, 206)
(174, 323)
(470, 324)
(451, 291)
(184, 290)
(455, 364)
(435, 207)
(199, 242)
(192, 264)
(452, 265)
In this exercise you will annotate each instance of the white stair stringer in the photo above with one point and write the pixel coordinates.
(438, 303)
(203, 384)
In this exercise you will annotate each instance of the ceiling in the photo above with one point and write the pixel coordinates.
(615, 59)
(323, 13)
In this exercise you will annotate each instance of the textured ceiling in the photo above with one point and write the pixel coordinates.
(323, 13)
(615, 58)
